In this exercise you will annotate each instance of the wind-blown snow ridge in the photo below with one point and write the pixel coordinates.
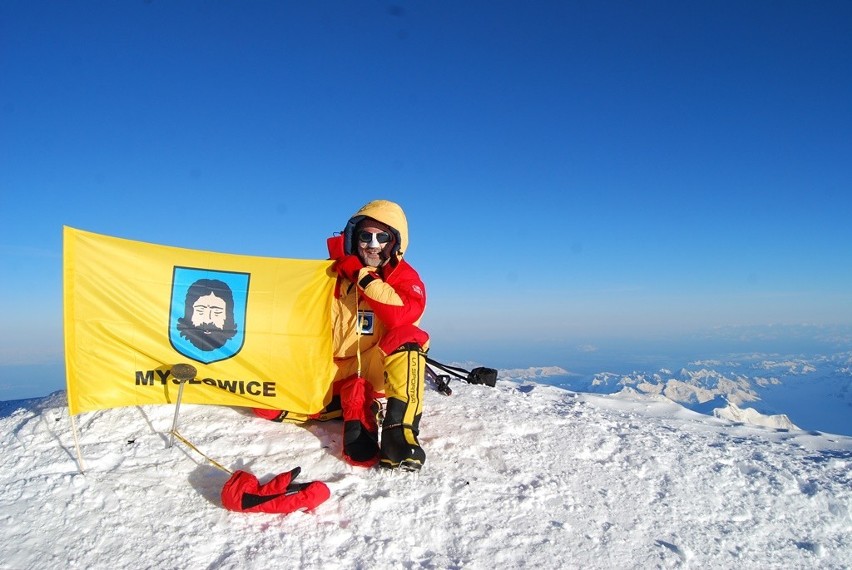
(517, 476)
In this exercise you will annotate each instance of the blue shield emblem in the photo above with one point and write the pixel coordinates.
(366, 319)
(207, 318)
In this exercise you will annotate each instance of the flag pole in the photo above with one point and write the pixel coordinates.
(80, 465)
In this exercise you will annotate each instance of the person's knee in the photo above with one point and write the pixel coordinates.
(400, 336)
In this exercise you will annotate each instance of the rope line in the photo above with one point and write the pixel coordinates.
(199, 452)
(358, 329)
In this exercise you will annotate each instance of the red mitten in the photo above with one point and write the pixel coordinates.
(348, 267)
(335, 247)
(244, 493)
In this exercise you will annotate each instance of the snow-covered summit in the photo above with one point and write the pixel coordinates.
(521, 475)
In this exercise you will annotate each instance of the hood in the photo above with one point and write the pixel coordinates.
(387, 212)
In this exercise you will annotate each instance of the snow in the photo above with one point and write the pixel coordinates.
(734, 413)
(522, 475)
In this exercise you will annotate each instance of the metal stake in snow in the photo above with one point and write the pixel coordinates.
(182, 372)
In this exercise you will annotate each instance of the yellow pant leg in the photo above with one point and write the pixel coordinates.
(405, 372)
(404, 380)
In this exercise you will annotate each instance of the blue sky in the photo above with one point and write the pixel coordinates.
(574, 173)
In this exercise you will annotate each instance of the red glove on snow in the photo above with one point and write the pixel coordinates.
(348, 267)
(244, 493)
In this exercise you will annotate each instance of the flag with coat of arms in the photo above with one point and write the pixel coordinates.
(257, 329)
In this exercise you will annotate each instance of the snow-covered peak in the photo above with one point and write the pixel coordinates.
(734, 413)
(522, 475)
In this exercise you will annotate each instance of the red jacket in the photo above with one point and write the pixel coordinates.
(391, 299)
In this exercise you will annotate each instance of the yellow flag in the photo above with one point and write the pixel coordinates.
(258, 330)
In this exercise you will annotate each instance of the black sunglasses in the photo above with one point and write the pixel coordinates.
(367, 237)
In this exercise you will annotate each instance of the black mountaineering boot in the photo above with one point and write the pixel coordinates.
(404, 379)
(400, 448)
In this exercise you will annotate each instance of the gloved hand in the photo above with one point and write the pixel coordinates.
(335, 247)
(348, 267)
(244, 493)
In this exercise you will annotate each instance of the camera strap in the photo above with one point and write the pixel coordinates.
(460, 373)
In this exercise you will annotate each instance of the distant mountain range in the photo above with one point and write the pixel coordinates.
(811, 393)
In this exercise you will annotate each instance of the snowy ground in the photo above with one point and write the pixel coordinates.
(522, 475)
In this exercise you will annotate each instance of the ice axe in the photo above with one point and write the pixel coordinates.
(243, 492)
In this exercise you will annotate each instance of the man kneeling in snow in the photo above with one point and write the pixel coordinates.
(379, 301)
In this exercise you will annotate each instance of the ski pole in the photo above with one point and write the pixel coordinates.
(183, 373)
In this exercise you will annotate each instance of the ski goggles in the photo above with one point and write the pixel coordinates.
(368, 237)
